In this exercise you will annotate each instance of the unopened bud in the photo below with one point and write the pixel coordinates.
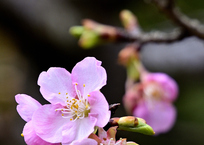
(129, 21)
(134, 124)
(89, 39)
(106, 33)
(129, 121)
(128, 54)
(76, 31)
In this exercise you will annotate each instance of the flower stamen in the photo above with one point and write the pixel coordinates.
(76, 108)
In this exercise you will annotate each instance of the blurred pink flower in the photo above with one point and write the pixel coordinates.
(77, 105)
(26, 108)
(152, 99)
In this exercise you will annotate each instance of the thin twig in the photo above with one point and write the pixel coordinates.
(154, 36)
(192, 26)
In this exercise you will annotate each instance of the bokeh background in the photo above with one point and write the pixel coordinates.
(34, 35)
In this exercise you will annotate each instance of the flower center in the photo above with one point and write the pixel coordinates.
(76, 108)
(153, 91)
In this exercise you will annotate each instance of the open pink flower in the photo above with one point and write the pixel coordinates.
(86, 141)
(152, 99)
(26, 108)
(77, 105)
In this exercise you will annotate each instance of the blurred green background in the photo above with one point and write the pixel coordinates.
(34, 36)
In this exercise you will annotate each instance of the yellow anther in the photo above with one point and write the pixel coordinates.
(87, 106)
(77, 117)
(59, 93)
(75, 106)
(83, 85)
(62, 109)
(71, 119)
(88, 95)
(62, 114)
(22, 135)
(66, 97)
(67, 94)
(76, 84)
(79, 100)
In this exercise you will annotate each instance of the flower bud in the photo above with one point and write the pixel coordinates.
(76, 31)
(130, 22)
(89, 39)
(129, 121)
(134, 124)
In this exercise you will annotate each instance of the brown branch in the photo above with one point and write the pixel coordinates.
(154, 36)
(192, 26)
(115, 34)
(157, 36)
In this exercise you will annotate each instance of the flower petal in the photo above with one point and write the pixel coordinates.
(54, 84)
(86, 141)
(49, 123)
(111, 132)
(31, 138)
(102, 133)
(167, 83)
(79, 129)
(89, 72)
(99, 106)
(161, 117)
(27, 106)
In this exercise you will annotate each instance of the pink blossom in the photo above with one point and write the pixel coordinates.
(86, 141)
(77, 105)
(152, 99)
(26, 108)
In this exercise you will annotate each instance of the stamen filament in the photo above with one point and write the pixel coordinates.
(76, 108)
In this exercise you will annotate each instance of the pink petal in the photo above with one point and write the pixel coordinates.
(161, 117)
(27, 106)
(167, 83)
(49, 123)
(31, 138)
(54, 84)
(99, 106)
(111, 132)
(102, 133)
(79, 129)
(89, 72)
(86, 141)
(132, 96)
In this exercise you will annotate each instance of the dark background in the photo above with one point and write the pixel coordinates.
(34, 35)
